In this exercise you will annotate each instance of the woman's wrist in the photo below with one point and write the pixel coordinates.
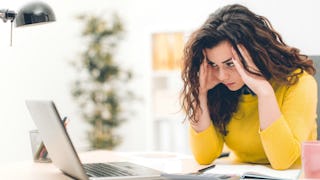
(200, 125)
(203, 97)
(265, 91)
(202, 117)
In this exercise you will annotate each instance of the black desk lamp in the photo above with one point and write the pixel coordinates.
(32, 13)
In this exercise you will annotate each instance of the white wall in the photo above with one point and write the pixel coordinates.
(37, 65)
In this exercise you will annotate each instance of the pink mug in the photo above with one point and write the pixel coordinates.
(310, 158)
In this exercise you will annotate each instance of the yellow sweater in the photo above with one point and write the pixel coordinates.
(280, 143)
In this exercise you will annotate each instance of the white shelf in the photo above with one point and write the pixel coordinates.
(170, 133)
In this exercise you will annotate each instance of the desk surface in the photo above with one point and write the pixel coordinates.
(163, 161)
(30, 170)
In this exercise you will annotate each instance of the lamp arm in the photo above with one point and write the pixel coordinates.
(6, 15)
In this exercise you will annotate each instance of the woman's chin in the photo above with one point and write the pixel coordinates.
(234, 88)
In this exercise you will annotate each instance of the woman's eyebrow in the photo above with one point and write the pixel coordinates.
(225, 61)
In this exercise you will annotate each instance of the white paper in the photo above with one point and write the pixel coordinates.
(259, 169)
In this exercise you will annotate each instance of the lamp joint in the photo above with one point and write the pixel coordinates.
(7, 15)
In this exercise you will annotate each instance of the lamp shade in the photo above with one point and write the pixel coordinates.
(33, 13)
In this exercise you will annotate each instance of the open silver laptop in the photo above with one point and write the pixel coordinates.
(64, 156)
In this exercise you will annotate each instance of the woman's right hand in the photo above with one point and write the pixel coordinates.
(207, 79)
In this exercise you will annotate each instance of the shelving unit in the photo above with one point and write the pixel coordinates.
(170, 130)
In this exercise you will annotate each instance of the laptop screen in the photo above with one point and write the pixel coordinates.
(55, 137)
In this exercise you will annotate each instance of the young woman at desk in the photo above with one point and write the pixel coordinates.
(244, 87)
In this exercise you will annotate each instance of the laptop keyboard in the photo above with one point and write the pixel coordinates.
(104, 170)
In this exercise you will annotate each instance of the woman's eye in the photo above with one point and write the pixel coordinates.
(230, 64)
(212, 64)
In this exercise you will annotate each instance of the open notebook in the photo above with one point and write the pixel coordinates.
(255, 172)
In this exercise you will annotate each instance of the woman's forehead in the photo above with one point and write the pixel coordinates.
(219, 53)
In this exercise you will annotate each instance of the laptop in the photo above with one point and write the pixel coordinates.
(64, 156)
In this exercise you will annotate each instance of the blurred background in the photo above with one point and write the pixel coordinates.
(38, 65)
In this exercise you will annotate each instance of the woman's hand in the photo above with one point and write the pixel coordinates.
(207, 79)
(258, 84)
(269, 110)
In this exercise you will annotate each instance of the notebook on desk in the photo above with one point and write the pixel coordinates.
(64, 156)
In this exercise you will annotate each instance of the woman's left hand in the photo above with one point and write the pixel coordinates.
(258, 84)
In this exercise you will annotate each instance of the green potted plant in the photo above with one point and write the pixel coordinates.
(99, 87)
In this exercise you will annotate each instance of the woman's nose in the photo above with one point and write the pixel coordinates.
(223, 75)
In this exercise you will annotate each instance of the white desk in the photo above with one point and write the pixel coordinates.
(29, 170)
(165, 162)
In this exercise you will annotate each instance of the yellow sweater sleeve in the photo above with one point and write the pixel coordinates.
(279, 144)
(207, 145)
(282, 139)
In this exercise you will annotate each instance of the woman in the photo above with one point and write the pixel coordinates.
(244, 87)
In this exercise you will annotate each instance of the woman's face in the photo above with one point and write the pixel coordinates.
(219, 58)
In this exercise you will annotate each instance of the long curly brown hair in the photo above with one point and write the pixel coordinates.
(238, 25)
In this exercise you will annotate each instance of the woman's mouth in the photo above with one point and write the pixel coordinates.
(229, 84)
